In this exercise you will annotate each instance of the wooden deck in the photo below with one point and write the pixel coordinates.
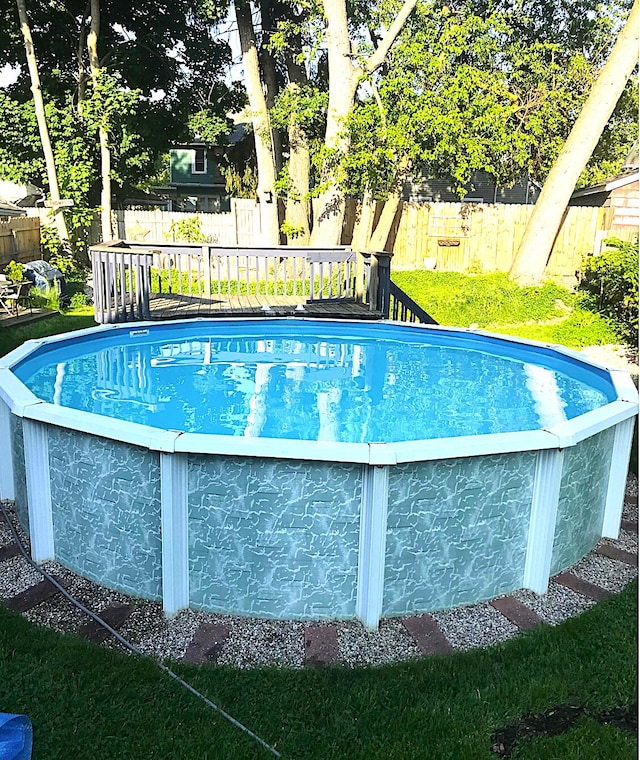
(25, 317)
(175, 306)
(160, 281)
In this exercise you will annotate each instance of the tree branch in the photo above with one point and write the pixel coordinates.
(377, 58)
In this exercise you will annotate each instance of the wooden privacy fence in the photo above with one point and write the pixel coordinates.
(240, 226)
(459, 236)
(19, 240)
(449, 236)
(131, 279)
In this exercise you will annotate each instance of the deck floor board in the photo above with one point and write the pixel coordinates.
(181, 306)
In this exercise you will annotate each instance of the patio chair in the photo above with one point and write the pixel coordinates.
(12, 296)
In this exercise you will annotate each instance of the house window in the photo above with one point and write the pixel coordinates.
(199, 161)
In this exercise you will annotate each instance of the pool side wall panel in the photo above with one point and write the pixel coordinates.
(273, 538)
(582, 500)
(106, 511)
(457, 531)
(7, 488)
(19, 470)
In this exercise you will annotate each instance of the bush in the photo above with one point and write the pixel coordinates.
(15, 271)
(609, 283)
(188, 230)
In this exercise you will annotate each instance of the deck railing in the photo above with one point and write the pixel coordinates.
(403, 308)
(127, 275)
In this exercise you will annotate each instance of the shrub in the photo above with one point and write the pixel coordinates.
(78, 300)
(609, 283)
(15, 271)
(188, 230)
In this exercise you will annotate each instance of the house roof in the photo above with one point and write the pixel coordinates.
(10, 209)
(631, 162)
(608, 185)
(239, 132)
(11, 192)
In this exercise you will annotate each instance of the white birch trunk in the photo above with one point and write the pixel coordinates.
(261, 127)
(537, 243)
(38, 103)
(343, 83)
(297, 214)
(105, 154)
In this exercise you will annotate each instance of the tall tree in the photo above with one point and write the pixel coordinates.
(105, 155)
(162, 49)
(535, 248)
(265, 153)
(345, 73)
(42, 123)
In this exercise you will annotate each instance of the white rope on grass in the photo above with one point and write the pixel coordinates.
(127, 644)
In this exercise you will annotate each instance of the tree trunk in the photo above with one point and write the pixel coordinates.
(380, 235)
(298, 206)
(38, 103)
(105, 155)
(82, 72)
(297, 215)
(364, 223)
(531, 259)
(270, 12)
(261, 127)
(343, 82)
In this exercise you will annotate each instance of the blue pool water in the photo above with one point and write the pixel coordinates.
(315, 380)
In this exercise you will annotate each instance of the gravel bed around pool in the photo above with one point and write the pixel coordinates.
(251, 642)
(604, 572)
(626, 541)
(477, 626)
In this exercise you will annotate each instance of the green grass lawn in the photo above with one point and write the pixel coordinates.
(90, 702)
(548, 313)
(86, 701)
(74, 319)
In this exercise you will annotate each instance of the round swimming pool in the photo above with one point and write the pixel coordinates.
(312, 469)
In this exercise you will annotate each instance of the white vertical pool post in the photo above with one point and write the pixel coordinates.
(174, 519)
(373, 541)
(7, 488)
(36, 462)
(542, 523)
(617, 478)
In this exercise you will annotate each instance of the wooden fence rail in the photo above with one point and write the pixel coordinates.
(447, 236)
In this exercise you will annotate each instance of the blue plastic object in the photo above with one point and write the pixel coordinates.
(16, 737)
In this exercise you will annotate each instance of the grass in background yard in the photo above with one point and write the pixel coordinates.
(495, 303)
(13, 336)
(581, 328)
(85, 701)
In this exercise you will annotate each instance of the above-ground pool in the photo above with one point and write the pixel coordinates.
(310, 469)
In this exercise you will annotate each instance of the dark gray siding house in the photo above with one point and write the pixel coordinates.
(481, 189)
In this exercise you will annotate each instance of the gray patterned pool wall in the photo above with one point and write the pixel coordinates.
(302, 530)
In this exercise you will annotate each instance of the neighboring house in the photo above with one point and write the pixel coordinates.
(481, 189)
(9, 210)
(195, 182)
(620, 196)
(20, 195)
